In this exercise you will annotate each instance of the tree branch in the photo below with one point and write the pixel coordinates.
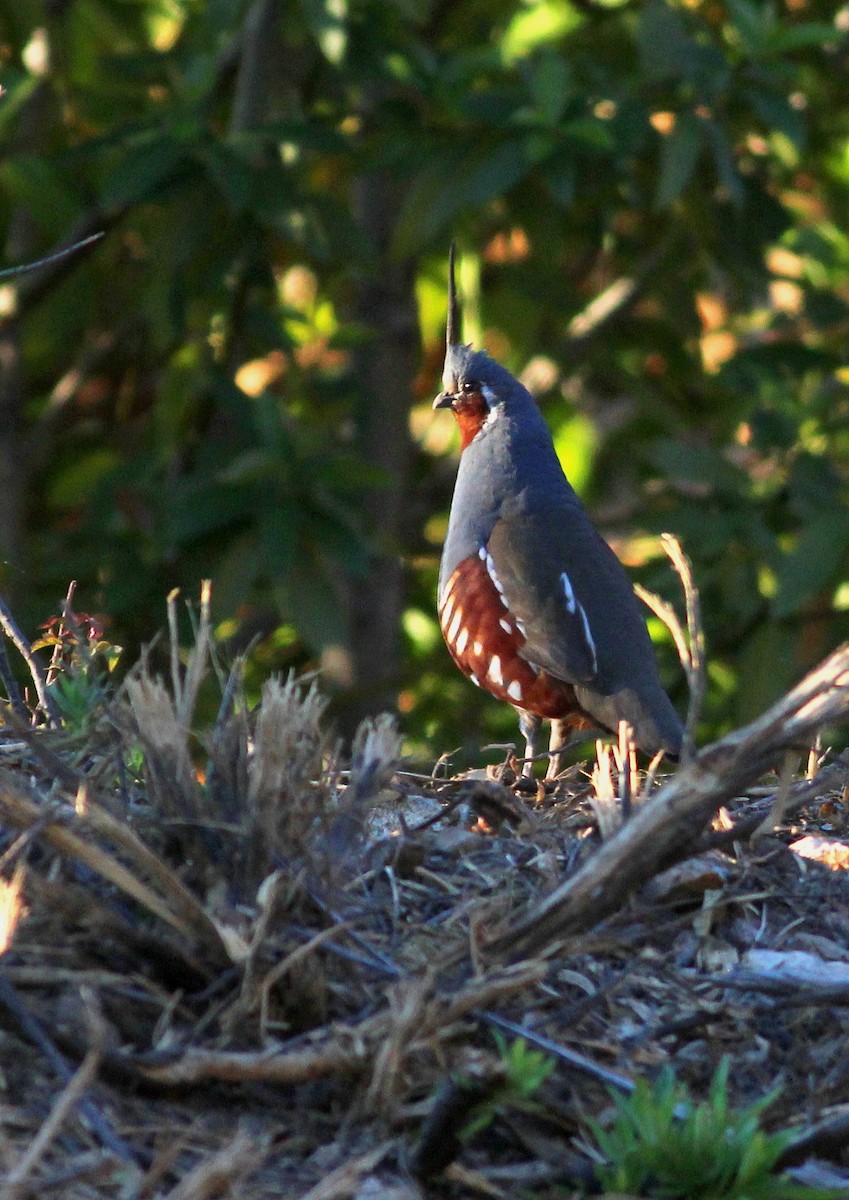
(663, 830)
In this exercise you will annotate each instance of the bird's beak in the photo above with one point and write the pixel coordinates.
(444, 400)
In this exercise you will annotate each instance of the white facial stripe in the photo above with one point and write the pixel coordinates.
(589, 636)
(568, 591)
(493, 406)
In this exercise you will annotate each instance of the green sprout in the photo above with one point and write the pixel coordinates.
(662, 1143)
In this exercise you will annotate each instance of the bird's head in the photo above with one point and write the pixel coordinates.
(475, 387)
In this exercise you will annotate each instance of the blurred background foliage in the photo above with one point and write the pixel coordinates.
(650, 200)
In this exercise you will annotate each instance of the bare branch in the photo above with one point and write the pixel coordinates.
(662, 832)
(690, 645)
(55, 257)
(16, 637)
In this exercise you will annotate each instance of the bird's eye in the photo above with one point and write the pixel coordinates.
(471, 385)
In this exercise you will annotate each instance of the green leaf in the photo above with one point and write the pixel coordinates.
(37, 185)
(776, 111)
(701, 465)
(457, 182)
(752, 23)
(679, 154)
(327, 21)
(311, 598)
(278, 529)
(800, 37)
(144, 166)
(549, 86)
(662, 41)
(539, 23)
(813, 563)
(726, 167)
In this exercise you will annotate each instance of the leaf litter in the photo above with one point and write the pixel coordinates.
(288, 975)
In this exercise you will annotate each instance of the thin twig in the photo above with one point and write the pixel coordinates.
(20, 810)
(18, 1180)
(222, 1173)
(11, 685)
(16, 637)
(55, 257)
(34, 1032)
(664, 831)
(578, 1061)
(196, 665)
(695, 630)
(690, 644)
(615, 300)
(174, 647)
(54, 267)
(56, 657)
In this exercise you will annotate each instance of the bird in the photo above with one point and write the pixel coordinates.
(533, 604)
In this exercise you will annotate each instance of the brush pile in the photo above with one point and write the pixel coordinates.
(233, 966)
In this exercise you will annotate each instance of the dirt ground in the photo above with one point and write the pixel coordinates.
(280, 978)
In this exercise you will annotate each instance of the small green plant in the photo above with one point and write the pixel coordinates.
(525, 1070)
(81, 665)
(663, 1144)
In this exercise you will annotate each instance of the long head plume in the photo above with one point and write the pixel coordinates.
(453, 331)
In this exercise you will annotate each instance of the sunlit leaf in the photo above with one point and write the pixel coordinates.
(541, 22)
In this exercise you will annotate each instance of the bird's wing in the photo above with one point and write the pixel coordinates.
(530, 568)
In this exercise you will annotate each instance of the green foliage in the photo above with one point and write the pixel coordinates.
(79, 678)
(525, 1071)
(192, 398)
(663, 1143)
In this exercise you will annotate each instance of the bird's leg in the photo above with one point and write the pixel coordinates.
(529, 728)
(557, 741)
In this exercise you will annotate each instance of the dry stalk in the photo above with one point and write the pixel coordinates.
(343, 1050)
(690, 645)
(285, 966)
(12, 907)
(22, 812)
(168, 763)
(283, 799)
(783, 799)
(603, 797)
(833, 777)
(662, 832)
(408, 1003)
(184, 903)
(198, 661)
(55, 668)
(339, 1055)
(224, 1172)
(344, 1182)
(18, 1184)
(377, 745)
(45, 700)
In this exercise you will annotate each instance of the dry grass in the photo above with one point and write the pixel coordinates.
(254, 981)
